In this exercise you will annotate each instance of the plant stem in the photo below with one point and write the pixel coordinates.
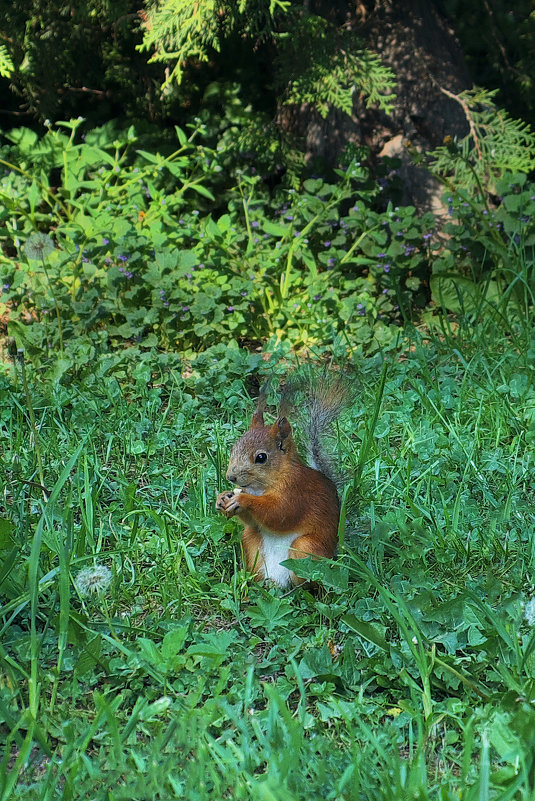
(20, 359)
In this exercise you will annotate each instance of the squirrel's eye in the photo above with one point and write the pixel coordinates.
(260, 458)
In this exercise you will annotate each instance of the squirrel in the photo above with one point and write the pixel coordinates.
(290, 510)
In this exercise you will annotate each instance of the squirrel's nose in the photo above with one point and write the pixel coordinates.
(231, 477)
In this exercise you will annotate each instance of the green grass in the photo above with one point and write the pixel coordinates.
(411, 676)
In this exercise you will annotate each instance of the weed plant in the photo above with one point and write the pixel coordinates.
(108, 244)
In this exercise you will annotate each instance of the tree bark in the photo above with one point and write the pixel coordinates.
(416, 41)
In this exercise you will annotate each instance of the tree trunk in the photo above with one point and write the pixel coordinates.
(421, 48)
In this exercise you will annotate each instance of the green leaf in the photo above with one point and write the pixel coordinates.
(201, 190)
(366, 630)
(275, 229)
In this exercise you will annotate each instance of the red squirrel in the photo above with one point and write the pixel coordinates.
(290, 510)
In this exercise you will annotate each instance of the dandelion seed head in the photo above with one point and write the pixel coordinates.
(39, 246)
(529, 612)
(94, 579)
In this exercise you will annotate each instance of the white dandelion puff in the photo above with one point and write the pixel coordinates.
(529, 611)
(94, 579)
(39, 246)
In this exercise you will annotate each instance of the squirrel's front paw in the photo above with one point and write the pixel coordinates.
(227, 503)
(222, 500)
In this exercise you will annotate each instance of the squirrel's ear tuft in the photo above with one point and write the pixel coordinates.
(282, 430)
(257, 420)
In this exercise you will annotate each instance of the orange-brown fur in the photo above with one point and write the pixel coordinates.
(285, 497)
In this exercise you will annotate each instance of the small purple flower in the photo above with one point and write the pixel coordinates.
(427, 236)
(317, 297)
(230, 308)
(189, 275)
(381, 255)
(409, 249)
(185, 308)
(244, 293)
(297, 233)
(327, 244)
(331, 262)
(387, 268)
(255, 224)
(6, 287)
(289, 217)
(122, 258)
(105, 241)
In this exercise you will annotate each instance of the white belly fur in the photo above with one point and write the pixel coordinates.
(275, 549)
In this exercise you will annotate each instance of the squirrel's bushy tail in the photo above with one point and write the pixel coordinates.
(324, 399)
